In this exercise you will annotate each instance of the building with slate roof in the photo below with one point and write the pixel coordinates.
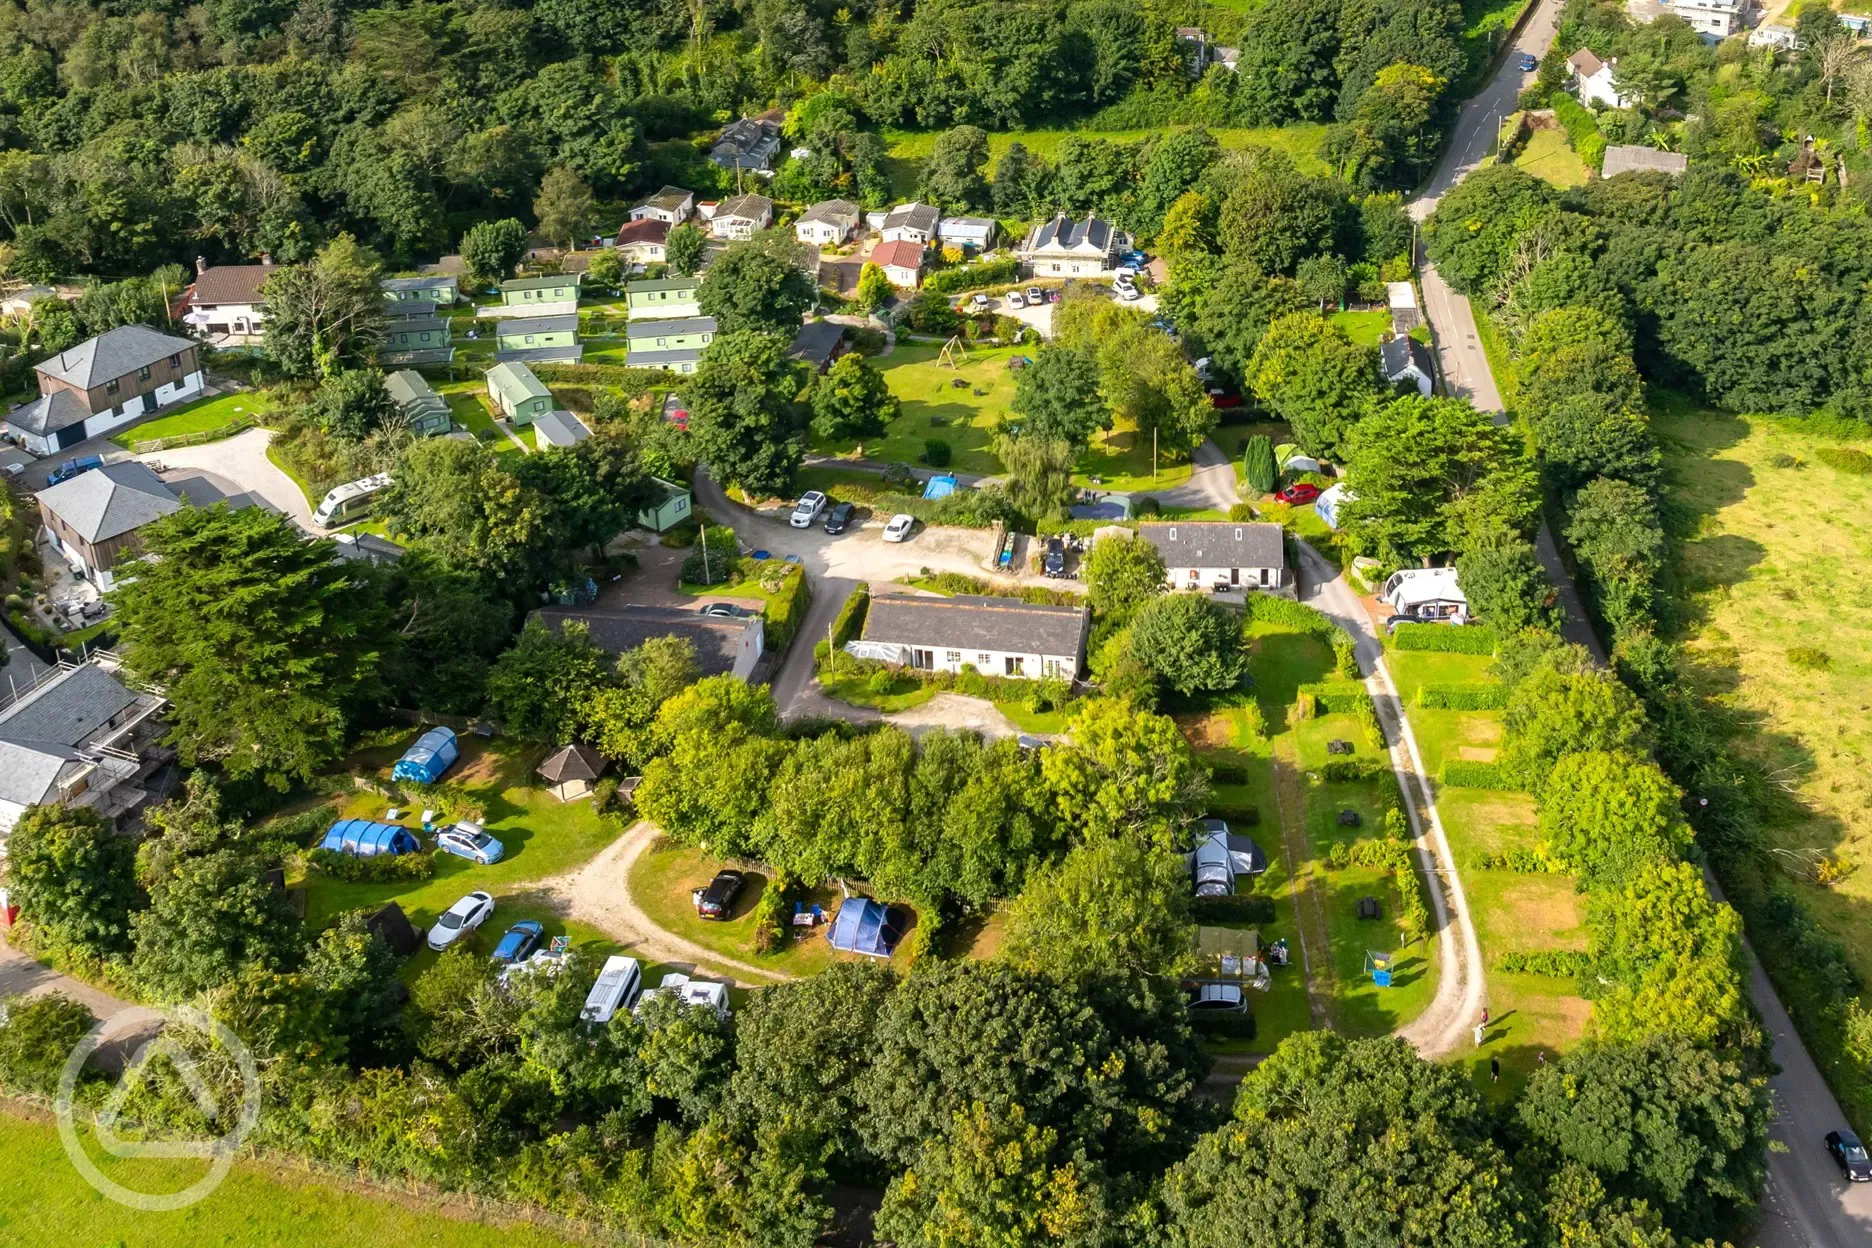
(1065, 247)
(723, 646)
(77, 738)
(748, 145)
(828, 222)
(552, 295)
(104, 383)
(521, 397)
(672, 206)
(1214, 553)
(571, 771)
(742, 217)
(425, 411)
(225, 305)
(559, 428)
(662, 298)
(93, 518)
(439, 289)
(995, 636)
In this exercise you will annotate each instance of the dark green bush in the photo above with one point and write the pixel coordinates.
(1223, 771)
(1559, 963)
(1466, 696)
(1224, 1024)
(1237, 816)
(936, 453)
(377, 869)
(1343, 770)
(851, 617)
(1846, 459)
(1463, 773)
(973, 276)
(786, 608)
(1239, 908)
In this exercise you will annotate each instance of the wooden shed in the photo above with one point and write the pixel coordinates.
(571, 771)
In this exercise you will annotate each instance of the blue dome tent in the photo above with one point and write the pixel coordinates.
(864, 926)
(434, 752)
(364, 838)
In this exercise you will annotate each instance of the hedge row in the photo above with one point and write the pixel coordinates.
(1581, 130)
(973, 276)
(1396, 857)
(1447, 638)
(851, 616)
(1559, 963)
(1222, 771)
(1273, 609)
(1235, 1025)
(1464, 773)
(1464, 696)
(1237, 816)
(1345, 770)
(377, 869)
(786, 609)
(1239, 908)
(1341, 697)
(1528, 861)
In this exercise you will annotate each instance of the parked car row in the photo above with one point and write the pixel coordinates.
(838, 517)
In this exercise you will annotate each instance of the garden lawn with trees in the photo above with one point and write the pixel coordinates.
(201, 416)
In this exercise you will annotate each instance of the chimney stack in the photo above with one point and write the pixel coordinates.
(201, 265)
(266, 258)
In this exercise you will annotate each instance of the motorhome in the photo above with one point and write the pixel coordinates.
(350, 501)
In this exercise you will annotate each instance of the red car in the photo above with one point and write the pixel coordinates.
(1299, 493)
(1222, 400)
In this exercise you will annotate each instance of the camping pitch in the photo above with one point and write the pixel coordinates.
(434, 752)
(864, 926)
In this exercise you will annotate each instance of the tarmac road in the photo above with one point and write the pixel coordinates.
(1807, 1204)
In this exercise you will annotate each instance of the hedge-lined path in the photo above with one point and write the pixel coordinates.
(1309, 910)
(1444, 1027)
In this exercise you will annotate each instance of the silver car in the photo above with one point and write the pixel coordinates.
(459, 919)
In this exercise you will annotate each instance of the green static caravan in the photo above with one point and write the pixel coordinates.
(672, 345)
(426, 411)
(521, 397)
(675, 507)
(441, 291)
(416, 340)
(538, 338)
(664, 297)
(557, 293)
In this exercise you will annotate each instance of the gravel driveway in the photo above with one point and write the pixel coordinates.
(242, 459)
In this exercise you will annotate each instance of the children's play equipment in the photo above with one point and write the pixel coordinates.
(1379, 967)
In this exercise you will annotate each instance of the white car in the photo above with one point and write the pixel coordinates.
(1213, 998)
(1130, 293)
(618, 985)
(978, 304)
(1014, 299)
(811, 503)
(898, 530)
(462, 917)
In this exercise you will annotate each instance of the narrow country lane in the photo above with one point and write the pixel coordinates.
(1443, 1028)
(1806, 1204)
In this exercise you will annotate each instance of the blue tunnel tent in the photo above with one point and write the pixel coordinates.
(864, 926)
(434, 752)
(365, 838)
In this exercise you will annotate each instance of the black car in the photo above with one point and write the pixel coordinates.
(838, 517)
(1055, 561)
(1849, 1155)
(717, 899)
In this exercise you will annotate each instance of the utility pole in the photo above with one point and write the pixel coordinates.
(707, 577)
(1153, 452)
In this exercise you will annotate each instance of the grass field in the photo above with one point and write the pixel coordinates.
(1513, 911)
(470, 410)
(197, 417)
(662, 879)
(1549, 157)
(1776, 588)
(44, 1200)
(934, 407)
(542, 836)
(907, 150)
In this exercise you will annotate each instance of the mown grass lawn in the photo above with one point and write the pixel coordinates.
(200, 416)
(542, 836)
(44, 1200)
(1549, 157)
(468, 405)
(666, 874)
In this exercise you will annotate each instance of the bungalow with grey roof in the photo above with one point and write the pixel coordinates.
(521, 397)
(910, 223)
(425, 411)
(1405, 361)
(1213, 554)
(104, 383)
(969, 233)
(995, 636)
(436, 288)
(748, 145)
(559, 428)
(672, 206)
(742, 217)
(551, 295)
(661, 298)
(416, 339)
(1064, 247)
(724, 646)
(828, 223)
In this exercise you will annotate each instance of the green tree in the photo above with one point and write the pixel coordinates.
(1193, 643)
(325, 316)
(264, 644)
(1057, 396)
(1555, 711)
(1334, 1139)
(73, 877)
(757, 286)
(874, 287)
(356, 973)
(1177, 160)
(742, 415)
(1111, 910)
(1323, 279)
(1670, 960)
(852, 401)
(353, 404)
(1607, 814)
(808, 1042)
(1311, 376)
(685, 248)
(491, 249)
(458, 1012)
(1615, 533)
(1258, 463)
(687, 1055)
(605, 268)
(1122, 573)
(458, 500)
(1276, 216)
(1039, 474)
(1231, 316)
(1188, 226)
(1020, 178)
(1506, 585)
(1428, 472)
(1123, 773)
(208, 922)
(1477, 224)
(40, 1033)
(596, 489)
(540, 689)
(565, 207)
(1286, 68)
(952, 177)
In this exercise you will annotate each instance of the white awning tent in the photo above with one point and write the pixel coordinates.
(1327, 505)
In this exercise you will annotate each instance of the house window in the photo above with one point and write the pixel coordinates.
(143, 374)
(1015, 665)
(983, 659)
(953, 657)
(1053, 667)
(425, 335)
(110, 387)
(175, 361)
(1264, 576)
(1056, 268)
(923, 659)
(529, 339)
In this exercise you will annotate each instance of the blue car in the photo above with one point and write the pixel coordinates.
(1136, 259)
(521, 939)
(1527, 64)
(74, 467)
(470, 841)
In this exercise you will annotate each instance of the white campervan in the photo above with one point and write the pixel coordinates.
(350, 501)
(1427, 594)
